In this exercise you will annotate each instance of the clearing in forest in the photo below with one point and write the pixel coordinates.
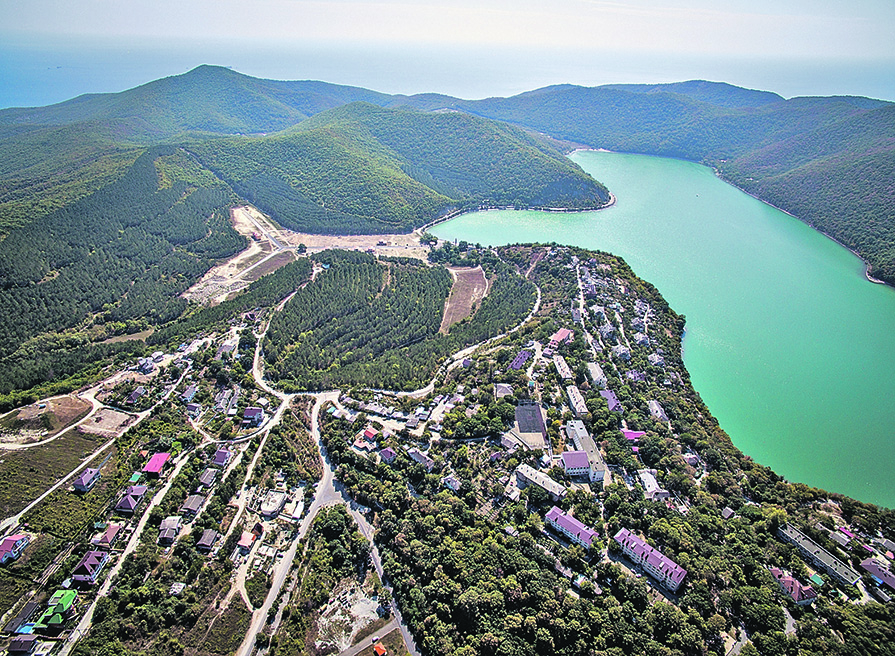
(469, 288)
(39, 421)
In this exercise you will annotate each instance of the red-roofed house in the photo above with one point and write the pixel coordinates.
(156, 464)
(107, 538)
(561, 336)
(801, 594)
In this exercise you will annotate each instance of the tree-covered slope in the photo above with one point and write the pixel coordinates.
(828, 161)
(365, 169)
(209, 99)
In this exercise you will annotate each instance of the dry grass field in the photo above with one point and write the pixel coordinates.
(469, 288)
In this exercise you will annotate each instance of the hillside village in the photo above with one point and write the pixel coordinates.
(192, 506)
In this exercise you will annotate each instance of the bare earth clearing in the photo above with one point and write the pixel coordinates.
(33, 423)
(271, 247)
(469, 288)
(107, 422)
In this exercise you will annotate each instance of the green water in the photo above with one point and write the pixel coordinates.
(788, 344)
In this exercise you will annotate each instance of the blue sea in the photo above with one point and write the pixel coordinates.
(39, 71)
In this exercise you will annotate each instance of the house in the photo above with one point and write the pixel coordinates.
(207, 477)
(145, 365)
(612, 400)
(527, 474)
(412, 422)
(380, 649)
(621, 352)
(368, 434)
(13, 546)
(576, 401)
(22, 617)
(420, 457)
(169, 530)
(561, 336)
(246, 540)
(562, 367)
(655, 360)
(502, 389)
(89, 567)
(133, 495)
(22, 645)
(800, 594)
(633, 436)
(570, 527)
(451, 482)
(273, 503)
(653, 561)
(388, 455)
(691, 459)
(641, 340)
(59, 609)
(189, 393)
(193, 409)
(192, 505)
(656, 411)
(221, 457)
(108, 537)
(651, 488)
(87, 479)
(727, 513)
(253, 416)
(135, 396)
(816, 555)
(596, 375)
(207, 541)
(881, 574)
(575, 463)
(519, 361)
(156, 464)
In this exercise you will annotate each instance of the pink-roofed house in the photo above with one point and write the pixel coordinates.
(90, 566)
(87, 479)
(633, 436)
(570, 527)
(575, 463)
(13, 546)
(658, 565)
(156, 464)
(561, 336)
(801, 594)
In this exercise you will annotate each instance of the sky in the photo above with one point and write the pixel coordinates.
(463, 47)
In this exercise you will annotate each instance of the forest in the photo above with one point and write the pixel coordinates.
(376, 323)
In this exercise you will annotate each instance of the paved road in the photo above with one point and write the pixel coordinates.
(366, 642)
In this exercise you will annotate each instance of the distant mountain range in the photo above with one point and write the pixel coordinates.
(350, 159)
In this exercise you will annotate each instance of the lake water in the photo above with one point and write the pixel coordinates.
(788, 344)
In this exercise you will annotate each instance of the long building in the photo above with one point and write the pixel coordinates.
(570, 527)
(577, 433)
(656, 564)
(818, 556)
(531, 476)
(576, 401)
(562, 367)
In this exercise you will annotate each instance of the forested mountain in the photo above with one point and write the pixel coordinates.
(828, 161)
(365, 169)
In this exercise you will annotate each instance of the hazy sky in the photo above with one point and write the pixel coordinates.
(636, 40)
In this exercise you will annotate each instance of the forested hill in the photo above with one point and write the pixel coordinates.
(364, 169)
(828, 161)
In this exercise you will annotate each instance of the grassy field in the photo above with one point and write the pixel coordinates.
(228, 631)
(26, 474)
(12, 588)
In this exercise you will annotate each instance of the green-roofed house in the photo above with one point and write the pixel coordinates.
(816, 580)
(58, 610)
(135, 478)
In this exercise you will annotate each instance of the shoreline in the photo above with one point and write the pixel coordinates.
(867, 276)
(495, 208)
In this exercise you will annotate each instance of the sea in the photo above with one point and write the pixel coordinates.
(38, 70)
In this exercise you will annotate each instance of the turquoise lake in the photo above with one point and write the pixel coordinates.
(787, 342)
